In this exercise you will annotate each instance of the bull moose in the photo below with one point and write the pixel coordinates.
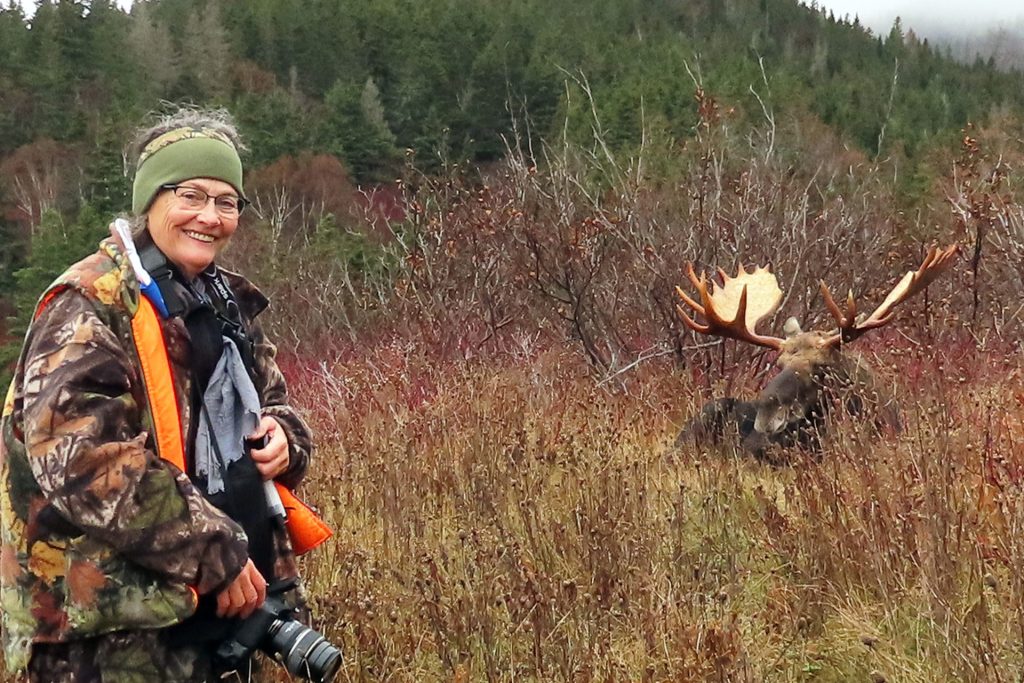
(816, 375)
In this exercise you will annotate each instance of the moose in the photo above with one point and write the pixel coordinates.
(816, 374)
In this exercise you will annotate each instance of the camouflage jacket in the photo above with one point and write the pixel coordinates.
(97, 533)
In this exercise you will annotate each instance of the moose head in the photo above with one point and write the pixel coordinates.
(816, 375)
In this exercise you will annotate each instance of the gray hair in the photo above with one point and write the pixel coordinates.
(185, 116)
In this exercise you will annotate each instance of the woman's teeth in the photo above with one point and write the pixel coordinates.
(199, 236)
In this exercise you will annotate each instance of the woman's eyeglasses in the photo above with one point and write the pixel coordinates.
(194, 199)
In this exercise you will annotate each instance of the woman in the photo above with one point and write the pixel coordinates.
(115, 556)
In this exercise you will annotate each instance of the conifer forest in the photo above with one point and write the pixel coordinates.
(471, 218)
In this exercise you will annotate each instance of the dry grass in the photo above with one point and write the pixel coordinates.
(513, 521)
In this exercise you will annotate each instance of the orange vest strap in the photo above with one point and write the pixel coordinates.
(156, 373)
(305, 528)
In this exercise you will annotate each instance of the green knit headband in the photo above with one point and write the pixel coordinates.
(182, 154)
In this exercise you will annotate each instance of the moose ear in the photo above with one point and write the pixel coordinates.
(792, 327)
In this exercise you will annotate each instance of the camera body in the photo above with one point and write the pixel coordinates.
(274, 629)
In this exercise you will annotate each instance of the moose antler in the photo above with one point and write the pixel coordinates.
(736, 307)
(935, 263)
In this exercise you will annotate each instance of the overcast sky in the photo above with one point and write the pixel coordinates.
(971, 15)
(30, 5)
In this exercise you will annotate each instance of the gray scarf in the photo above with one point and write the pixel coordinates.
(232, 409)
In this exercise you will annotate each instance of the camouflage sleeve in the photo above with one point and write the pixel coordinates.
(85, 442)
(274, 396)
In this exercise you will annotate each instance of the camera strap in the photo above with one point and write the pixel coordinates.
(229, 314)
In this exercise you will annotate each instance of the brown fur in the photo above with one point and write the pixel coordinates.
(816, 382)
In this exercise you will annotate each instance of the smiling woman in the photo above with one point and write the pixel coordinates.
(138, 449)
(183, 163)
(192, 222)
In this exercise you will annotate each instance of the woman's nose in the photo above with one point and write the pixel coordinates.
(209, 215)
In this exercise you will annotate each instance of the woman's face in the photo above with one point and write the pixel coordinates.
(191, 238)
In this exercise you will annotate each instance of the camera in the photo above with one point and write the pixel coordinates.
(274, 630)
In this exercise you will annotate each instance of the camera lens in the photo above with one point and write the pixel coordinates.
(303, 651)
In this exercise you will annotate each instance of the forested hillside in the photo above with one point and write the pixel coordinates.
(365, 81)
(352, 91)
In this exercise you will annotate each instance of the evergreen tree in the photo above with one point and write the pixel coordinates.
(355, 129)
(158, 64)
(49, 73)
(106, 186)
(206, 56)
(274, 124)
(15, 98)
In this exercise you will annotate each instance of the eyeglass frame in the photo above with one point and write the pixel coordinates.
(242, 201)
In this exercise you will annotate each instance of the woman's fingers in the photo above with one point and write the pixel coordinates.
(242, 596)
(272, 459)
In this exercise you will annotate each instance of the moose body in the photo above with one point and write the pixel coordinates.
(817, 376)
(795, 406)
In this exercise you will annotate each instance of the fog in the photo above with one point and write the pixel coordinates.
(931, 16)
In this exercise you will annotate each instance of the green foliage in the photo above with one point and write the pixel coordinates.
(273, 124)
(333, 244)
(443, 81)
(55, 245)
(105, 185)
(355, 128)
(363, 79)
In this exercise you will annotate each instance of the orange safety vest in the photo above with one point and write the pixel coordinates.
(305, 529)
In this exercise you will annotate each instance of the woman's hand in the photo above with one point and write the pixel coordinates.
(272, 459)
(243, 595)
